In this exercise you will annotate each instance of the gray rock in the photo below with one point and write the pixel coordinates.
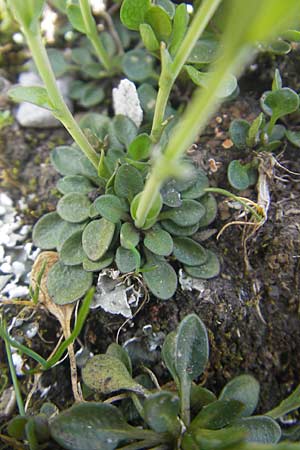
(29, 115)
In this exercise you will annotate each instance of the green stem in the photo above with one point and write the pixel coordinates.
(185, 395)
(92, 34)
(14, 378)
(150, 194)
(61, 111)
(169, 74)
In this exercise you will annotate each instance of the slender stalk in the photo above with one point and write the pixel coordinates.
(61, 110)
(169, 75)
(14, 379)
(92, 33)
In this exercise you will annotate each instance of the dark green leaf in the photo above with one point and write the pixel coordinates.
(169, 355)
(279, 103)
(160, 412)
(176, 230)
(120, 353)
(66, 160)
(261, 429)
(74, 207)
(148, 37)
(210, 269)
(245, 389)
(189, 213)
(159, 242)
(230, 438)
(16, 427)
(198, 189)
(46, 231)
(74, 183)
(58, 63)
(80, 56)
(96, 238)
(160, 277)
(238, 131)
(127, 260)
(277, 81)
(293, 137)
(125, 129)
(133, 12)
(180, 24)
(67, 230)
(211, 208)
(109, 207)
(147, 96)
(201, 79)
(189, 252)
(217, 415)
(91, 95)
(160, 22)
(66, 284)
(238, 176)
(72, 252)
(96, 266)
(171, 197)
(35, 94)
(129, 236)
(137, 65)
(200, 397)
(128, 182)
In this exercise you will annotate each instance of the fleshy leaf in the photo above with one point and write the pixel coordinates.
(200, 397)
(211, 208)
(280, 102)
(129, 236)
(159, 242)
(133, 12)
(160, 412)
(75, 17)
(217, 415)
(240, 176)
(189, 213)
(139, 148)
(74, 207)
(189, 252)
(180, 24)
(293, 137)
(245, 389)
(176, 230)
(66, 284)
(170, 195)
(72, 252)
(160, 277)
(66, 160)
(125, 129)
(96, 266)
(137, 65)
(96, 238)
(148, 37)
(169, 355)
(31, 94)
(67, 230)
(127, 260)
(107, 374)
(74, 183)
(204, 52)
(160, 22)
(128, 182)
(46, 231)
(210, 269)
(238, 132)
(198, 188)
(120, 353)
(109, 207)
(260, 429)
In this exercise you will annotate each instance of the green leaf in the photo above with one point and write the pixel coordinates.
(279, 47)
(133, 12)
(210, 269)
(198, 189)
(91, 95)
(107, 374)
(240, 176)
(230, 438)
(279, 103)
(168, 6)
(189, 252)
(200, 397)
(97, 237)
(74, 207)
(254, 130)
(261, 429)
(125, 129)
(80, 56)
(202, 78)
(46, 231)
(154, 211)
(58, 62)
(66, 160)
(91, 426)
(160, 412)
(204, 52)
(170, 195)
(128, 182)
(129, 236)
(16, 427)
(238, 132)
(147, 96)
(211, 208)
(217, 415)
(169, 355)
(75, 17)
(96, 266)
(27, 12)
(67, 230)
(277, 81)
(293, 137)
(288, 405)
(127, 260)
(160, 22)
(245, 389)
(140, 147)
(117, 351)
(109, 207)
(71, 252)
(161, 278)
(159, 242)
(148, 37)
(137, 65)
(291, 35)
(31, 94)
(180, 24)
(74, 183)
(189, 213)
(66, 284)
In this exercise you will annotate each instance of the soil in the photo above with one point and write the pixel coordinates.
(252, 316)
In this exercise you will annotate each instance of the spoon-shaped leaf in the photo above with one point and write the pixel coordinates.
(96, 238)
(161, 411)
(245, 389)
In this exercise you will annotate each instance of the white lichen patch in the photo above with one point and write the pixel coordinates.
(126, 101)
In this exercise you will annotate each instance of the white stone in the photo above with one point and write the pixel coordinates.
(126, 101)
(18, 363)
(29, 115)
(15, 291)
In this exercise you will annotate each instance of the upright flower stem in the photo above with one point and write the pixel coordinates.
(61, 111)
(92, 34)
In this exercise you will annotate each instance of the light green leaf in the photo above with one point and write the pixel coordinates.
(66, 160)
(67, 230)
(253, 132)
(279, 103)
(140, 147)
(180, 24)
(74, 207)
(75, 17)
(260, 429)
(133, 12)
(117, 351)
(128, 182)
(97, 237)
(66, 284)
(168, 6)
(159, 242)
(27, 12)
(148, 37)
(129, 236)
(245, 389)
(96, 266)
(46, 231)
(31, 94)
(160, 22)
(189, 252)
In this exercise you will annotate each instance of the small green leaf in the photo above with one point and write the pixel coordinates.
(217, 415)
(46, 231)
(97, 237)
(72, 252)
(200, 397)
(254, 130)
(160, 412)
(210, 269)
(162, 280)
(133, 12)
(147, 96)
(159, 242)
(117, 351)
(91, 426)
(16, 427)
(75, 17)
(125, 129)
(245, 389)
(109, 207)
(66, 284)
(128, 182)
(67, 230)
(189, 252)
(91, 95)
(148, 37)
(127, 260)
(176, 230)
(168, 6)
(204, 52)
(169, 355)
(201, 79)
(238, 175)
(107, 374)
(170, 195)
(238, 132)
(160, 22)
(154, 211)
(211, 208)
(96, 266)
(198, 189)
(293, 137)
(180, 24)
(31, 94)
(74, 207)
(279, 103)
(189, 213)
(66, 160)
(279, 47)
(58, 62)
(129, 236)
(140, 147)
(277, 81)
(260, 429)
(137, 65)
(74, 183)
